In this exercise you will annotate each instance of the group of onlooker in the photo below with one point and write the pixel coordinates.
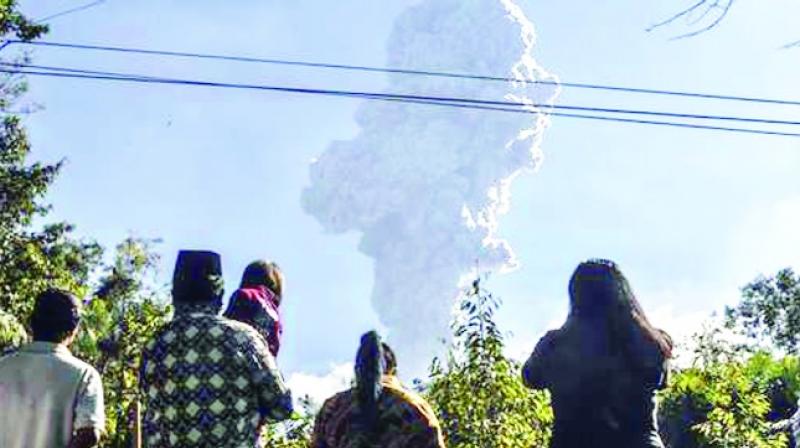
(211, 380)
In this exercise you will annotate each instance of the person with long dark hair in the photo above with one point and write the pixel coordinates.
(378, 412)
(603, 366)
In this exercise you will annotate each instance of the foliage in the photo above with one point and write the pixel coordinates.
(12, 22)
(729, 403)
(293, 433)
(124, 313)
(31, 259)
(770, 308)
(479, 395)
(12, 333)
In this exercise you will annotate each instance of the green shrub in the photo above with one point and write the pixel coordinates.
(12, 333)
(729, 403)
(478, 394)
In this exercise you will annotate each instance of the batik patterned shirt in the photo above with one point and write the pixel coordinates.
(208, 381)
(404, 420)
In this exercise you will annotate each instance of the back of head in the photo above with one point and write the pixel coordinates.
(370, 367)
(55, 317)
(596, 289)
(197, 278)
(599, 292)
(264, 273)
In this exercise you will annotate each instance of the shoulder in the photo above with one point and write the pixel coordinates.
(549, 341)
(87, 372)
(236, 329)
(241, 336)
(400, 395)
(165, 334)
(336, 404)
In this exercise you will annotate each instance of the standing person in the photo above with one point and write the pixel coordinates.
(257, 300)
(603, 366)
(49, 398)
(207, 381)
(379, 412)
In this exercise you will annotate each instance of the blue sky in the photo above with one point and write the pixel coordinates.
(690, 215)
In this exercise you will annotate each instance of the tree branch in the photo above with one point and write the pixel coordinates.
(795, 44)
(707, 7)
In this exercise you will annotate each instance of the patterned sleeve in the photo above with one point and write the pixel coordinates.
(89, 410)
(274, 398)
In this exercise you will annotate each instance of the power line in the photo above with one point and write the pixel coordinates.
(362, 68)
(614, 119)
(450, 100)
(69, 11)
(394, 98)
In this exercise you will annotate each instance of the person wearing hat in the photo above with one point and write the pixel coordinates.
(49, 398)
(207, 381)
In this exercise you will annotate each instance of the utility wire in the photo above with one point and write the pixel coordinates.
(362, 68)
(385, 97)
(602, 118)
(449, 100)
(69, 11)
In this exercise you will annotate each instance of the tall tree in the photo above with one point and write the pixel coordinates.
(32, 257)
(770, 309)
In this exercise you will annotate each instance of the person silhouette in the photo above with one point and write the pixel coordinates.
(603, 366)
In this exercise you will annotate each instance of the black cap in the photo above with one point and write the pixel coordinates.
(197, 277)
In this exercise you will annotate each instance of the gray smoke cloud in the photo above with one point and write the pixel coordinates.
(425, 185)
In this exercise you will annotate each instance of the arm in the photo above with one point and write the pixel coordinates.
(89, 420)
(274, 398)
(535, 370)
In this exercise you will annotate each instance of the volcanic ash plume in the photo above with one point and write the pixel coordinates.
(425, 184)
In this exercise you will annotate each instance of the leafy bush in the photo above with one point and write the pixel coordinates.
(478, 394)
(729, 403)
(293, 433)
(12, 333)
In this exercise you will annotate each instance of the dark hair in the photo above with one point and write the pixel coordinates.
(264, 273)
(197, 278)
(599, 290)
(389, 359)
(55, 317)
(369, 370)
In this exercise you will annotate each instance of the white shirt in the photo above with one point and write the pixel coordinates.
(46, 394)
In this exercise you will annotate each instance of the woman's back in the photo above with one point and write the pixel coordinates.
(601, 395)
